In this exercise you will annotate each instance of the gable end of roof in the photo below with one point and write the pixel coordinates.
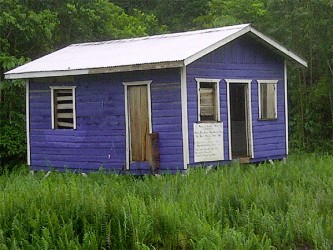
(145, 53)
(271, 42)
(248, 29)
(217, 45)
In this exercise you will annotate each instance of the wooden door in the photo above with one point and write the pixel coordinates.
(138, 121)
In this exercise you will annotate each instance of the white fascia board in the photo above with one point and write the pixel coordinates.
(126, 68)
(217, 45)
(279, 47)
(134, 67)
(43, 74)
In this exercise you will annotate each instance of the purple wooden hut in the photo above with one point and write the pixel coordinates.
(163, 102)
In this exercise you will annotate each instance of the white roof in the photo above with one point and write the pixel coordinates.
(161, 51)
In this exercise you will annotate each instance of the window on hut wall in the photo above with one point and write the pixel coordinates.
(63, 107)
(208, 100)
(267, 99)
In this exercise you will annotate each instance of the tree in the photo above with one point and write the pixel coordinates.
(231, 12)
(306, 26)
(30, 29)
(177, 15)
(22, 33)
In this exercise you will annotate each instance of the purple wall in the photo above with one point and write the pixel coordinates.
(101, 131)
(243, 58)
(100, 108)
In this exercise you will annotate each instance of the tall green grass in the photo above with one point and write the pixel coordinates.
(286, 206)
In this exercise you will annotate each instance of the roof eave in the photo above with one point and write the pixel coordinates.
(125, 68)
(43, 74)
(217, 45)
(287, 53)
(248, 29)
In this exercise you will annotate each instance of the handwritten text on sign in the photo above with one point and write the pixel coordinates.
(208, 142)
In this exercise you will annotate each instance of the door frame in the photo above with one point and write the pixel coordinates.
(248, 113)
(128, 138)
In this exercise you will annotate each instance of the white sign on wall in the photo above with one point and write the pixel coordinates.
(208, 142)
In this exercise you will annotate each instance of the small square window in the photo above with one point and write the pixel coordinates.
(208, 102)
(267, 100)
(63, 107)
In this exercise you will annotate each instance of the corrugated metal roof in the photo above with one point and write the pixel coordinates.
(171, 49)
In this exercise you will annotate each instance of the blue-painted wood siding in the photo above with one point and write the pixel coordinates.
(100, 137)
(243, 58)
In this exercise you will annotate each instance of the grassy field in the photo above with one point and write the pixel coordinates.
(286, 206)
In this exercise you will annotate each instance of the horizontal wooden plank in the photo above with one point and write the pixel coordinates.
(170, 128)
(167, 113)
(74, 165)
(41, 106)
(40, 125)
(207, 110)
(76, 144)
(164, 107)
(64, 98)
(271, 153)
(63, 91)
(268, 146)
(167, 135)
(239, 73)
(64, 115)
(118, 153)
(75, 158)
(269, 134)
(166, 120)
(65, 106)
(111, 139)
(65, 124)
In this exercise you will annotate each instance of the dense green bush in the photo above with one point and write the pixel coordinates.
(285, 206)
(12, 141)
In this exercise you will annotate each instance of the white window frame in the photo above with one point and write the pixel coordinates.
(259, 99)
(53, 88)
(217, 97)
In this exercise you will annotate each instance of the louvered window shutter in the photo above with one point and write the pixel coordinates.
(63, 108)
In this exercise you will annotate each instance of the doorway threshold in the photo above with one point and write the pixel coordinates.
(242, 160)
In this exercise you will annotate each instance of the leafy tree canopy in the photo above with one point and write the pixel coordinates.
(306, 26)
(177, 15)
(30, 29)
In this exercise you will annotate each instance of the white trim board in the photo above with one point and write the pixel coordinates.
(183, 83)
(46, 74)
(248, 82)
(286, 105)
(74, 72)
(128, 143)
(27, 114)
